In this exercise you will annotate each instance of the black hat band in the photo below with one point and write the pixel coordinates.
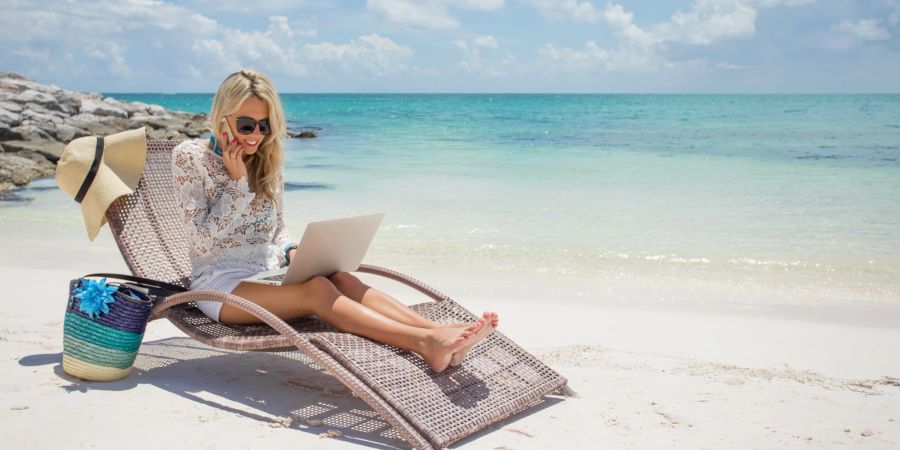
(89, 179)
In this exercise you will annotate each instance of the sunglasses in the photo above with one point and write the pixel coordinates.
(246, 125)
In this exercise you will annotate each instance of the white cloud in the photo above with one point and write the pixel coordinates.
(372, 54)
(101, 30)
(113, 54)
(579, 11)
(727, 66)
(429, 14)
(866, 29)
(486, 41)
(708, 22)
(271, 50)
(481, 5)
(195, 72)
(278, 51)
(774, 3)
(473, 62)
(637, 48)
(593, 57)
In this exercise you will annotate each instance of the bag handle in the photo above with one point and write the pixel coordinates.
(142, 280)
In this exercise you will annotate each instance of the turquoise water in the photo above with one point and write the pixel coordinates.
(797, 193)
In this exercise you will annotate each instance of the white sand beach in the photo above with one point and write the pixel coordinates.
(647, 377)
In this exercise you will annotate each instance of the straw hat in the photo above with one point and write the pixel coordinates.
(95, 171)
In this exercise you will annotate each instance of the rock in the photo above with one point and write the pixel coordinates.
(13, 76)
(69, 106)
(80, 96)
(96, 125)
(83, 118)
(38, 118)
(154, 122)
(26, 133)
(19, 170)
(136, 108)
(301, 134)
(40, 98)
(65, 132)
(101, 109)
(10, 118)
(51, 150)
(11, 106)
(866, 433)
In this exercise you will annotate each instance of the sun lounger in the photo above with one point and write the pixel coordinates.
(428, 409)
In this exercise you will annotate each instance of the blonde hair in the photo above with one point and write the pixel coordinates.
(263, 166)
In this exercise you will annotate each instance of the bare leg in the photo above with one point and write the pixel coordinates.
(320, 297)
(354, 288)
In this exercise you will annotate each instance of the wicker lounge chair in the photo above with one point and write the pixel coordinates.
(427, 409)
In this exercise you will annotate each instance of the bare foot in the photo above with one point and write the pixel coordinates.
(491, 320)
(492, 317)
(444, 342)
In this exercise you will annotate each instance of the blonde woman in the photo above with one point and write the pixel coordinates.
(230, 189)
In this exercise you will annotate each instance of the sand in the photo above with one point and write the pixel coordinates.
(648, 376)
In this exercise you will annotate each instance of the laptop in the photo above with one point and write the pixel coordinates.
(326, 247)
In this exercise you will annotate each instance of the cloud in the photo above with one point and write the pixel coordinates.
(472, 56)
(637, 48)
(372, 54)
(481, 5)
(114, 55)
(579, 11)
(708, 22)
(485, 42)
(428, 14)
(594, 57)
(866, 29)
(272, 50)
(727, 66)
(103, 30)
(109, 42)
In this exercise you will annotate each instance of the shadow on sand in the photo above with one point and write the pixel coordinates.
(284, 389)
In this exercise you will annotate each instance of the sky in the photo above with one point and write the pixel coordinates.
(552, 46)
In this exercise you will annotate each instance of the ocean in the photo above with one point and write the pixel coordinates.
(747, 199)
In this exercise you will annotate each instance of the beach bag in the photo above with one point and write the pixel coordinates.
(105, 322)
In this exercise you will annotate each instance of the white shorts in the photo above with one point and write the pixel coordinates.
(220, 280)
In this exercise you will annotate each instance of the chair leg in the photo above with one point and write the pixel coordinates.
(566, 391)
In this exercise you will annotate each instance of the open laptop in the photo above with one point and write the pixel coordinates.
(326, 247)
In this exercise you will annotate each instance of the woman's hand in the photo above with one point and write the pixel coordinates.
(233, 157)
(291, 254)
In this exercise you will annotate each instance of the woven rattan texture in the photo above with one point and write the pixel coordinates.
(497, 379)
(146, 226)
(239, 337)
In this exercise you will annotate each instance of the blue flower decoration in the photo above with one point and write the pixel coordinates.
(95, 295)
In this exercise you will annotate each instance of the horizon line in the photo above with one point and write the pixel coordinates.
(521, 93)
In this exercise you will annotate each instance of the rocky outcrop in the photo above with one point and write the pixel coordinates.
(302, 134)
(37, 121)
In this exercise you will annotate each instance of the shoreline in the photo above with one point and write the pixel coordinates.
(56, 227)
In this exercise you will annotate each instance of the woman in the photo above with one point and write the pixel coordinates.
(231, 191)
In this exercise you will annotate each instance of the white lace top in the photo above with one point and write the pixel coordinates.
(230, 229)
